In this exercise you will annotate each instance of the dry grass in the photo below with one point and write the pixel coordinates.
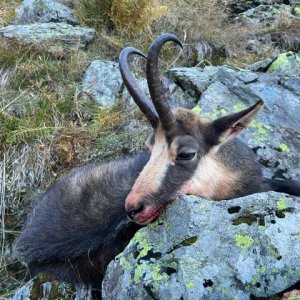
(287, 34)
(7, 11)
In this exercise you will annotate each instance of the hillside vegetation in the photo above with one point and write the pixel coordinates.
(45, 127)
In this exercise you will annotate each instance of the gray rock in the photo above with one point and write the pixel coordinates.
(44, 287)
(177, 96)
(286, 64)
(265, 15)
(238, 6)
(102, 82)
(44, 11)
(262, 65)
(51, 37)
(201, 249)
(275, 133)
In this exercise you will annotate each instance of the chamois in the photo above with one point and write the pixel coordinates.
(79, 224)
(193, 155)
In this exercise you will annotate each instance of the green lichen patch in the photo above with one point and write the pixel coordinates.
(190, 285)
(286, 63)
(145, 249)
(261, 269)
(197, 109)
(243, 241)
(124, 263)
(239, 106)
(284, 147)
(138, 273)
(281, 205)
(262, 130)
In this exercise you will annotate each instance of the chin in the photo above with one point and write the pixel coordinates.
(148, 215)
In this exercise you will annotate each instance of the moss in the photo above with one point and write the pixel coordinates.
(190, 241)
(248, 219)
(243, 241)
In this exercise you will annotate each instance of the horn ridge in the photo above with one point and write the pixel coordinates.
(133, 88)
(155, 87)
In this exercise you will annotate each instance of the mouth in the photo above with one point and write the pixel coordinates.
(148, 215)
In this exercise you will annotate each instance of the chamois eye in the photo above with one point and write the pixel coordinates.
(185, 156)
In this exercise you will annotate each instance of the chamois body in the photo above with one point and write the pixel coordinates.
(79, 225)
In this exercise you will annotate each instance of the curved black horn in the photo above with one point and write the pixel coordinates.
(130, 81)
(155, 87)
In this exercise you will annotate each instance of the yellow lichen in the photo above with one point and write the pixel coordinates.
(284, 147)
(281, 205)
(243, 241)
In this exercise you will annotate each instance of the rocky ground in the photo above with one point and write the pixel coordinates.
(62, 105)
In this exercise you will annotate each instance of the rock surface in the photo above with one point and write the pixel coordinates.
(265, 15)
(102, 82)
(225, 250)
(51, 37)
(44, 287)
(286, 64)
(177, 97)
(275, 133)
(44, 11)
(242, 5)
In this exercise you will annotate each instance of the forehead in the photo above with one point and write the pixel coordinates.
(189, 121)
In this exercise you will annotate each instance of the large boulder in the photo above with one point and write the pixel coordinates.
(44, 11)
(103, 84)
(235, 249)
(177, 97)
(51, 37)
(274, 134)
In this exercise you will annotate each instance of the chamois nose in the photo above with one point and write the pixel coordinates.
(134, 211)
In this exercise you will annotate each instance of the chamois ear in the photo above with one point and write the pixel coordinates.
(226, 128)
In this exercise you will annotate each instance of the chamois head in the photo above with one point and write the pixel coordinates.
(180, 143)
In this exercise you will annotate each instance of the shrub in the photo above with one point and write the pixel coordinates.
(135, 16)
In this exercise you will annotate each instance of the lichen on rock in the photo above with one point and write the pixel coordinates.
(211, 256)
